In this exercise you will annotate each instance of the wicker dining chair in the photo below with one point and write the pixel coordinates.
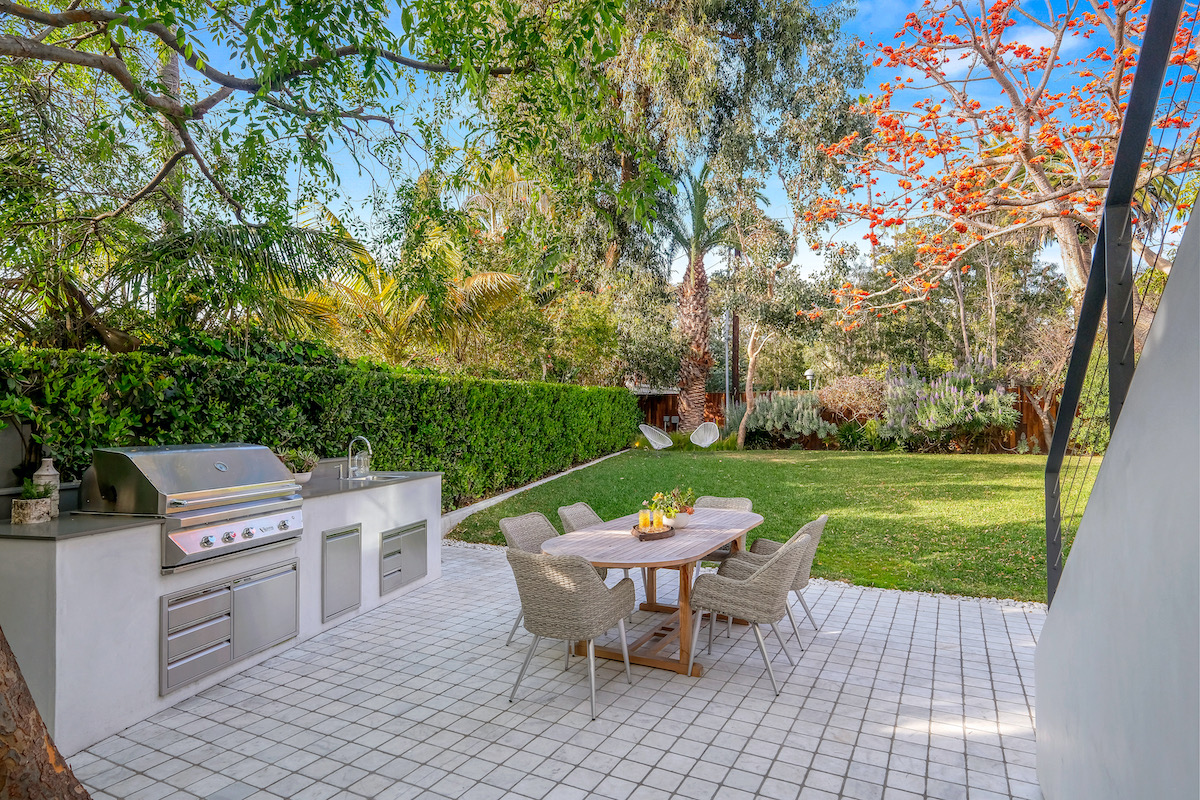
(729, 504)
(760, 599)
(527, 533)
(764, 549)
(563, 598)
(580, 515)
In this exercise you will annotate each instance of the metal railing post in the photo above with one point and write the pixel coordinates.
(1118, 268)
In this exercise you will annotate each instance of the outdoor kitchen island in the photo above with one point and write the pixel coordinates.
(106, 635)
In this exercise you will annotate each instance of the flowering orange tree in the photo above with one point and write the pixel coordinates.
(1001, 118)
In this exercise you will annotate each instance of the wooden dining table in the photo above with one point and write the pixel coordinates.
(612, 544)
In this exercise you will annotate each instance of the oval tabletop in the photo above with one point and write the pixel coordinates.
(612, 544)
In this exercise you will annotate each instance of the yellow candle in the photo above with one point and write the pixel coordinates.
(644, 518)
(658, 519)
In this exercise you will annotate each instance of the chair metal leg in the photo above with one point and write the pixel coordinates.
(516, 624)
(624, 650)
(728, 626)
(591, 650)
(528, 657)
(712, 623)
(762, 648)
(795, 627)
(782, 646)
(808, 611)
(567, 661)
(695, 641)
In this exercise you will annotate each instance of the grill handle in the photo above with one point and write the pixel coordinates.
(240, 497)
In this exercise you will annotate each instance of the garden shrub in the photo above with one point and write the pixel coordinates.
(486, 436)
(960, 410)
(853, 397)
(790, 415)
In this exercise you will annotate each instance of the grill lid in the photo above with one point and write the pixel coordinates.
(178, 479)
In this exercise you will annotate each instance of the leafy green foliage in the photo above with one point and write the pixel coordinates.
(486, 436)
(790, 415)
(959, 410)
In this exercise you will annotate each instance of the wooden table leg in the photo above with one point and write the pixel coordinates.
(685, 613)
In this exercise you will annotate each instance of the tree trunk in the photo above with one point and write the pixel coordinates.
(1075, 261)
(956, 281)
(751, 361)
(1041, 407)
(31, 768)
(735, 354)
(694, 323)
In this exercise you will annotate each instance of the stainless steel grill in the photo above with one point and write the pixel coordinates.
(215, 499)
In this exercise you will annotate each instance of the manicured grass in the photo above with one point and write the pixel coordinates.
(971, 525)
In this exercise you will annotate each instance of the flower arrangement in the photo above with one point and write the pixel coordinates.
(677, 501)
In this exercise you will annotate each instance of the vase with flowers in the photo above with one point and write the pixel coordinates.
(675, 506)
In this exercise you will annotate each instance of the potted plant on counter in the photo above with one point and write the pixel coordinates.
(676, 505)
(34, 505)
(300, 462)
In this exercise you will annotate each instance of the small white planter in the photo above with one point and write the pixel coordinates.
(678, 522)
(29, 512)
(301, 477)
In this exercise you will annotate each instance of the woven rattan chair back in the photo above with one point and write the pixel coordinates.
(729, 503)
(527, 532)
(813, 530)
(576, 516)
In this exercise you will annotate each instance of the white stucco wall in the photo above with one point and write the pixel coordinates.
(1118, 661)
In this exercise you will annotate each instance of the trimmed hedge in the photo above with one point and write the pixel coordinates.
(485, 435)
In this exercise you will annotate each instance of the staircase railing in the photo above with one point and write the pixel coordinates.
(1114, 285)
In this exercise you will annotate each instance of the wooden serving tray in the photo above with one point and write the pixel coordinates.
(650, 534)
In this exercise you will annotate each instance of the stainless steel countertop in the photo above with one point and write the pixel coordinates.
(70, 525)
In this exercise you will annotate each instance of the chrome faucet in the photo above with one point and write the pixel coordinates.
(358, 470)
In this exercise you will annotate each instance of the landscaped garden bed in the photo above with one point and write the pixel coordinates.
(959, 524)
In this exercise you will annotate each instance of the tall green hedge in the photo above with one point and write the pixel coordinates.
(486, 436)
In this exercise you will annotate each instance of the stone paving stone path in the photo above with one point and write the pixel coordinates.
(899, 696)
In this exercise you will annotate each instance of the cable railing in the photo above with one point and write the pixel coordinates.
(1152, 177)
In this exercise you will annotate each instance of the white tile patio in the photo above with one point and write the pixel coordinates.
(900, 695)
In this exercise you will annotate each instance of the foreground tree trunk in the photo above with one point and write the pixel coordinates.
(31, 768)
(695, 322)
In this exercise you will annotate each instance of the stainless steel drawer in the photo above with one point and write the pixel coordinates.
(198, 637)
(186, 610)
(402, 556)
(392, 563)
(202, 663)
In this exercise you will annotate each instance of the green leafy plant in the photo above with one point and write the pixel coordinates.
(790, 415)
(299, 461)
(959, 411)
(672, 503)
(484, 436)
(35, 491)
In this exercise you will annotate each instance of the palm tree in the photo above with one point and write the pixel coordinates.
(426, 299)
(696, 231)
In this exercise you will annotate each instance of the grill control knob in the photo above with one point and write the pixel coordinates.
(283, 525)
(248, 533)
(208, 541)
(228, 536)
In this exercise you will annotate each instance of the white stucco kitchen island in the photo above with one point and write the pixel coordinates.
(106, 637)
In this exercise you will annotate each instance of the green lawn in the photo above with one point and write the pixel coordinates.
(969, 525)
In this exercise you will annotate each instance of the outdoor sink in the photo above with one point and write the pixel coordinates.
(377, 477)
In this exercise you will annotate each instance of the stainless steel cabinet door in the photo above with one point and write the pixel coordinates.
(341, 579)
(264, 610)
